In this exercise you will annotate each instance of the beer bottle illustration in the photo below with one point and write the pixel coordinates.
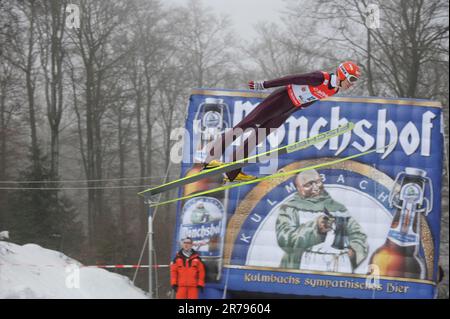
(211, 120)
(399, 256)
(204, 217)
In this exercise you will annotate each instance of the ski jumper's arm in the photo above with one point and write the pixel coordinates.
(313, 78)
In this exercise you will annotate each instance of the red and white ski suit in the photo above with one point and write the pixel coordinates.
(297, 92)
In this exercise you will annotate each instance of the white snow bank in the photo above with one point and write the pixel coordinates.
(30, 271)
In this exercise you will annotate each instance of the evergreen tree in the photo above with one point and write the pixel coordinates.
(38, 212)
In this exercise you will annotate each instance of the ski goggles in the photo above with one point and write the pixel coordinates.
(350, 77)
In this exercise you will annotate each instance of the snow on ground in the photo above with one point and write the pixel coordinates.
(30, 271)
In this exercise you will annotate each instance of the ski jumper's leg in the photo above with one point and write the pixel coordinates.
(275, 105)
(253, 140)
(255, 137)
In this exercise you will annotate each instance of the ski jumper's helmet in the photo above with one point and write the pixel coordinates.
(348, 70)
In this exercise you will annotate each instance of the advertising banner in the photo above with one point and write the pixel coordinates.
(364, 228)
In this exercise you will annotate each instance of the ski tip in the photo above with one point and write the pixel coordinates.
(146, 192)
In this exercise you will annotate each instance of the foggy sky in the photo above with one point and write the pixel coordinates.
(244, 14)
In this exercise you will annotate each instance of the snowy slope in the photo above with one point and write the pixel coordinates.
(30, 271)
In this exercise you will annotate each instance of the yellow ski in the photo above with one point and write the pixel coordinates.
(243, 162)
(230, 186)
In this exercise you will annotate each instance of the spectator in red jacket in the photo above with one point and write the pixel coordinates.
(187, 272)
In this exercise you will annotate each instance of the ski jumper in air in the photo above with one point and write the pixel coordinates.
(297, 92)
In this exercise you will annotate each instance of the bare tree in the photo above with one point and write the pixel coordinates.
(205, 44)
(397, 55)
(10, 101)
(99, 22)
(10, 97)
(9, 84)
(154, 52)
(51, 31)
(283, 49)
(150, 36)
(20, 51)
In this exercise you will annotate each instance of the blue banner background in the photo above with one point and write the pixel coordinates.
(402, 112)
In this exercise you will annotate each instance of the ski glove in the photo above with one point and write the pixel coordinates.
(175, 288)
(256, 85)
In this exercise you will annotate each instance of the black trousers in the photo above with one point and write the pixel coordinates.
(269, 115)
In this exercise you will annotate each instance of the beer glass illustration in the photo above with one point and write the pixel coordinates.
(332, 254)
